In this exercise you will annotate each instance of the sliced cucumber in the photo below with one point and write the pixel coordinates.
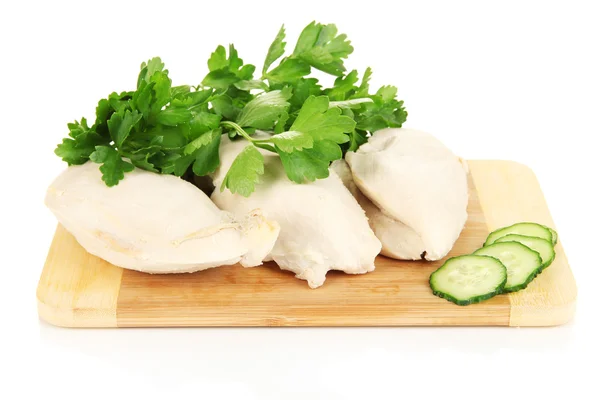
(523, 228)
(543, 247)
(522, 263)
(554, 235)
(468, 279)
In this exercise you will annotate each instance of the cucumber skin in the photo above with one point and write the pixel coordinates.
(554, 235)
(523, 285)
(554, 241)
(550, 261)
(486, 243)
(544, 266)
(527, 281)
(472, 300)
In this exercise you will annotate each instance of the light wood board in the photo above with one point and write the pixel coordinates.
(77, 289)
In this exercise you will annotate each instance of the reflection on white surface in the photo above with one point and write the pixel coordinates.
(237, 361)
(251, 342)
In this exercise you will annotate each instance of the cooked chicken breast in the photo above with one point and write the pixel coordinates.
(322, 226)
(419, 190)
(155, 223)
(398, 240)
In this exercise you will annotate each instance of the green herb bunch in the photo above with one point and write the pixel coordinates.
(176, 129)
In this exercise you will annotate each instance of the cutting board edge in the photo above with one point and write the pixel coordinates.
(65, 317)
(556, 315)
(74, 297)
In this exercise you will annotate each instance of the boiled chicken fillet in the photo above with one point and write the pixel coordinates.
(397, 240)
(322, 226)
(417, 189)
(155, 223)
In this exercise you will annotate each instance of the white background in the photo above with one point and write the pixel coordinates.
(493, 80)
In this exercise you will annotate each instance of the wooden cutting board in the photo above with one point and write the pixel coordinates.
(77, 289)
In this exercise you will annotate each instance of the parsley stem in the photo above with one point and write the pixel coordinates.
(349, 103)
(262, 143)
(266, 146)
(238, 129)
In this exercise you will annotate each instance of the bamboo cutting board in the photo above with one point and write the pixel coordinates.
(77, 289)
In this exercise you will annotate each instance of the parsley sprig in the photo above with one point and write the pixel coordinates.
(177, 129)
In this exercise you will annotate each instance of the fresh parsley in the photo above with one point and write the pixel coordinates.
(177, 130)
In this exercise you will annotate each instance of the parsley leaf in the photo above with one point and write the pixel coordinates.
(384, 112)
(203, 122)
(363, 89)
(120, 126)
(292, 140)
(226, 71)
(224, 106)
(147, 70)
(276, 50)
(350, 104)
(342, 86)
(303, 89)
(310, 164)
(321, 122)
(207, 156)
(142, 99)
(264, 110)
(289, 70)
(357, 138)
(141, 160)
(113, 167)
(174, 163)
(202, 152)
(103, 113)
(251, 84)
(280, 125)
(161, 90)
(220, 79)
(244, 172)
(144, 144)
(173, 137)
(200, 141)
(192, 99)
(173, 116)
(180, 91)
(387, 93)
(78, 128)
(321, 47)
(77, 152)
(119, 102)
(218, 59)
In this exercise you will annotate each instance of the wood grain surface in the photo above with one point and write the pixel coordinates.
(509, 193)
(77, 289)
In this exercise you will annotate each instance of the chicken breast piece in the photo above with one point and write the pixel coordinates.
(397, 240)
(155, 223)
(412, 178)
(322, 226)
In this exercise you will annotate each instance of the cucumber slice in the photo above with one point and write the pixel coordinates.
(522, 263)
(523, 228)
(554, 235)
(543, 247)
(468, 279)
